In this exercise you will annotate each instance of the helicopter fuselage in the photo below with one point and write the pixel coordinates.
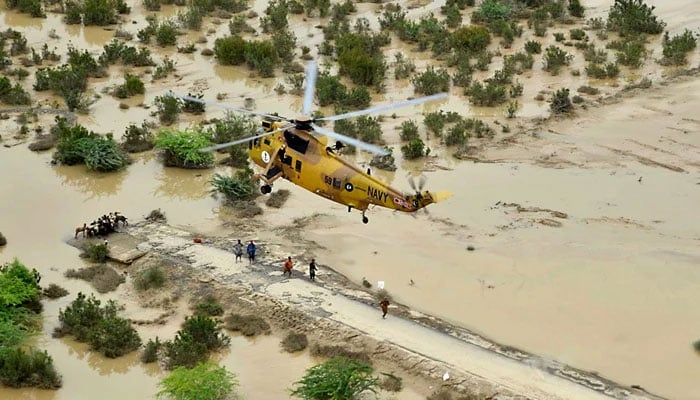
(307, 161)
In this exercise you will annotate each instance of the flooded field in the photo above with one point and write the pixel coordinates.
(584, 234)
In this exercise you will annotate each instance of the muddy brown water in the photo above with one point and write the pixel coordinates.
(613, 289)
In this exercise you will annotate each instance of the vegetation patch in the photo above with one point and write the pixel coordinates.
(95, 252)
(31, 368)
(210, 306)
(54, 291)
(101, 327)
(182, 148)
(150, 278)
(3, 239)
(337, 378)
(205, 381)
(247, 324)
(156, 216)
(391, 383)
(294, 342)
(240, 186)
(330, 351)
(675, 48)
(561, 102)
(102, 277)
(277, 198)
(77, 145)
(633, 17)
(150, 351)
(199, 335)
(137, 139)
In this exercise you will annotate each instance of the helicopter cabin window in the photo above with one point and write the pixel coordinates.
(297, 166)
(267, 141)
(296, 143)
(336, 183)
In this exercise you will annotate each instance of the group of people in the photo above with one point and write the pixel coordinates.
(288, 266)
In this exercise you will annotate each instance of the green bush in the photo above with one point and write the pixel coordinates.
(576, 9)
(631, 52)
(561, 103)
(13, 94)
(409, 130)
(206, 330)
(191, 18)
(150, 351)
(248, 325)
(555, 58)
(676, 48)
(20, 368)
(99, 12)
(338, 378)
(490, 94)
(261, 56)
(205, 381)
(240, 186)
(106, 332)
(166, 33)
(182, 148)
(414, 149)
(209, 306)
(103, 154)
(403, 68)
(137, 138)
(363, 68)
(472, 38)
(230, 50)
(577, 34)
(633, 17)
(609, 70)
(132, 86)
(491, 11)
(192, 343)
(31, 7)
(168, 108)
(533, 47)
(150, 278)
(294, 342)
(432, 81)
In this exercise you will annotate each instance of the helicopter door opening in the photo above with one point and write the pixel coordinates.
(297, 166)
(296, 143)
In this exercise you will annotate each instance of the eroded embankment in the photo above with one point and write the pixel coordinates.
(336, 311)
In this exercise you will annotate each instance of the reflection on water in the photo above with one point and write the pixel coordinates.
(92, 184)
(183, 184)
(99, 363)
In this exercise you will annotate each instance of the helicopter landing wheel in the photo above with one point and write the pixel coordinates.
(265, 189)
(364, 218)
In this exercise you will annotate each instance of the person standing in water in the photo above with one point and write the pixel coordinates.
(385, 307)
(238, 250)
(312, 269)
(251, 252)
(288, 267)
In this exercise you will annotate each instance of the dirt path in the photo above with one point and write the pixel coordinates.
(339, 312)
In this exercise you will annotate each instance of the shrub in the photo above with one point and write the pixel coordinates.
(150, 351)
(609, 70)
(168, 108)
(206, 330)
(533, 47)
(488, 95)
(294, 342)
(555, 58)
(132, 86)
(54, 291)
(409, 130)
(99, 326)
(277, 198)
(240, 186)
(31, 7)
(166, 33)
(102, 277)
(192, 106)
(631, 17)
(156, 216)
(588, 90)
(577, 34)
(182, 148)
(675, 49)
(184, 351)
(205, 381)
(209, 306)
(3, 239)
(98, 12)
(150, 278)
(230, 128)
(96, 252)
(230, 50)
(631, 52)
(13, 94)
(576, 9)
(248, 325)
(472, 38)
(561, 103)
(20, 368)
(337, 378)
(414, 149)
(363, 68)
(261, 56)
(696, 345)
(432, 81)
(137, 138)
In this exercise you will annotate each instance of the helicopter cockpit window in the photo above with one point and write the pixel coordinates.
(296, 143)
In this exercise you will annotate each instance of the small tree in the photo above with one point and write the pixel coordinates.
(182, 148)
(561, 103)
(339, 378)
(205, 381)
(632, 17)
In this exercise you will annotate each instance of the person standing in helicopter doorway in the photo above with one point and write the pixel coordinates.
(251, 252)
(238, 250)
(312, 269)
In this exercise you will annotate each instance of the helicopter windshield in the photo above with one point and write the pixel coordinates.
(296, 143)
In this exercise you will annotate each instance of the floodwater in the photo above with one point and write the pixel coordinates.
(614, 289)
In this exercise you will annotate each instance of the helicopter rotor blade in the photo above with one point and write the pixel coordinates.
(244, 140)
(230, 108)
(412, 183)
(351, 141)
(385, 107)
(421, 182)
(311, 74)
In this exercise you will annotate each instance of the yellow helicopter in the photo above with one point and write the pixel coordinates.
(298, 150)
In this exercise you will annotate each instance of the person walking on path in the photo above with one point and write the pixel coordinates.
(385, 307)
(312, 269)
(288, 267)
(251, 252)
(238, 250)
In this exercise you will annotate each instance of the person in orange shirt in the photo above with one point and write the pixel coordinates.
(288, 267)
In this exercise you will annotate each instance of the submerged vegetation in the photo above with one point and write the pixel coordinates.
(337, 378)
(181, 147)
